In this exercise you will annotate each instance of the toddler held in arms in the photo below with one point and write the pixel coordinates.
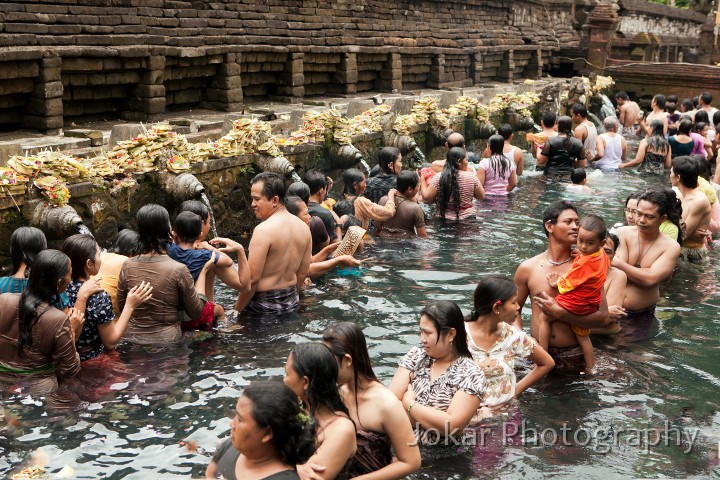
(580, 290)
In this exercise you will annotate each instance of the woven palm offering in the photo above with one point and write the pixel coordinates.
(350, 242)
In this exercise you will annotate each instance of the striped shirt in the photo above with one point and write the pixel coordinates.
(467, 182)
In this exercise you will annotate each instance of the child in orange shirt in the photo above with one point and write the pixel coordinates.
(581, 288)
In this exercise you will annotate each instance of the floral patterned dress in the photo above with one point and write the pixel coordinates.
(98, 312)
(498, 363)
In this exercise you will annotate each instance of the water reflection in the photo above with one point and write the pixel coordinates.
(132, 419)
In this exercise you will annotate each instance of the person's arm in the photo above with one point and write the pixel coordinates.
(399, 430)
(555, 312)
(87, 290)
(580, 134)
(193, 294)
(544, 154)
(600, 146)
(659, 271)
(480, 175)
(339, 445)
(400, 382)
(623, 146)
(519, 161)
(639, 157)
(616, 296)
(668, 158)
(461, 410)
(111, 332)
(521, 282)
(622, 115)
(303, 270)
(380, 212)
(225, 267)
(512, 181)
(429, 193)
(64, 355)
(211, 470)
(543, 364)
(317, 269)
(479, 191)
(692, 221)
(258, 250)
(122, 288)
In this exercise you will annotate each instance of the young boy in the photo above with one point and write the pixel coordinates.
(581, 288)
(578, 177)
(187, 231)
(409, 217)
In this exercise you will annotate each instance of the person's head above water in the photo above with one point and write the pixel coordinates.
(299, 189)
(354, 182)
(25, 244)
(553, 214)
(442, 330)
(591, 234)
(390, 160)
(84, 254)
(153, 225)
(125, 243)
(347, 342)
(455, 139)
(199, 209)
(578, 176)
(267, 191)
(491, 293)
(188, 227)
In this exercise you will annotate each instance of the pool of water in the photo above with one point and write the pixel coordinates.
(140, 412)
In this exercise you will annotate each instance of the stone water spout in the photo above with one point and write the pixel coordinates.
(440, 135)
(57, 222)
(182, 187)
(279, 165)
(344, 156)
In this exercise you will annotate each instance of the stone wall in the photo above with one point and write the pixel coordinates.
(136, 58)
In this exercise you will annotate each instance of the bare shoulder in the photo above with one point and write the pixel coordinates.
(384, 400)
(528, 265)
(669, 246)
(340, 428)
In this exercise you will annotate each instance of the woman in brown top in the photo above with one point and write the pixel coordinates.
(157, 321)
(37, 343)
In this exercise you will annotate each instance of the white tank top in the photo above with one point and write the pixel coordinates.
(590, 142)
(510, 155)
(613, 152)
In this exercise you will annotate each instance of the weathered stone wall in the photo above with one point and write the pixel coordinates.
(136, 58)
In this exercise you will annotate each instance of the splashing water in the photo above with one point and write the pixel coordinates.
(295, 176)
(204, 199)
(417, 159)
(537, 127)
(365, 165)
(82, 228)
(598, 123)
(608, 109)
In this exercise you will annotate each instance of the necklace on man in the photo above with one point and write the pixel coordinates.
(637, 264)
(552, 262)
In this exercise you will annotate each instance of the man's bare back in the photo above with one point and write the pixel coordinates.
(286, 239)
(629, 114)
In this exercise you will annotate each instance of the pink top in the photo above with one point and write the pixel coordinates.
(467, 181)
(699, 147)
(494, 183)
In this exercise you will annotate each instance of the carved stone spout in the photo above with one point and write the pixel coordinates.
(56, 222)
(182, 187)
(344, 156)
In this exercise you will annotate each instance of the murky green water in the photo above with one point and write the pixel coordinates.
(141, 410)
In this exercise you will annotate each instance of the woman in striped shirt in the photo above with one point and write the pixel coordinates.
(455, 188)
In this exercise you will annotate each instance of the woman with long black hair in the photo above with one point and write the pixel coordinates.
(497, 174)
(455, 188)
(37, 340)
(562, 153)
(311, 371)
(379, 416)
(653, 153)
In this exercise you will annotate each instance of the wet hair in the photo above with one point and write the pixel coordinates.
(595, 224)
(387, 156)
(351, 176)
(672, 99)
(580, 109)
(632, 196)
(674, 210)
(292, 204)
(275, 406)
(490, 290)
(687, 169)
(316, 180)
(657, 141)
(716, 118)
(687, 105)
(317, 362)
(448, 186)
(299, 189)
(344, 207)
(49, 269)
(197, 207)
(670, 107)
(549, 119)
(351, 221)
(659, 101)
(455, 139)
(700, 126)
(684, 126)
(695, 101)
(153, 224)
(125, 243)
(407, 179)
(703, 166)
(578, 175)
(706, 98)
(25, 244)
(273, 185)
(701, 116)
(622, 96)
(553, 211)
(188, 227)
(347, 338)
(505, 130)
(614, 239)
(564, 125)
(375, 171)
(446, 315)
(80, 248)
(499, 163)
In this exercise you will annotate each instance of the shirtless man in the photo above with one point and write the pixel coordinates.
(696, 210)
(658, 113)
(629, 111)
(279, 251)
(453, 140)
(511, 152)
(560, 222)
(647, 257)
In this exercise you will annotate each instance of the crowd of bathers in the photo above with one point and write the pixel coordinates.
(332, 417)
